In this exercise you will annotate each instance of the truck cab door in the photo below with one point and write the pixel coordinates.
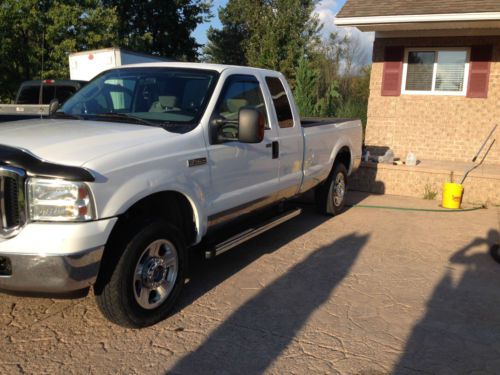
(244, 176)
(291, 139)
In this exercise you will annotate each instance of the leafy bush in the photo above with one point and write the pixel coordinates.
(353, 108)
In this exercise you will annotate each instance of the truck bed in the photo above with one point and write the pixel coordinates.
(14, 112)
(309, 122)
(323, 137)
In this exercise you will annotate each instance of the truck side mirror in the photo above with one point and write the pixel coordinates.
(53, 106)
(251, 125)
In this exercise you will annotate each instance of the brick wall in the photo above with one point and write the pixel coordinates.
(413, 182)
(434, 127)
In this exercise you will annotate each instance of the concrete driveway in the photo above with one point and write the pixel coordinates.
(373, 291)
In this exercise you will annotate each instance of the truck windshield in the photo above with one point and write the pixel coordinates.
(155, 95)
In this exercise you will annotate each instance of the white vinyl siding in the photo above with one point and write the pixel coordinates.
(429, 71)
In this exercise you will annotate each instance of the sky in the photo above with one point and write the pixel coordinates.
(326, 10)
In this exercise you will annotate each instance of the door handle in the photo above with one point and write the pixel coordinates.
(276, 149)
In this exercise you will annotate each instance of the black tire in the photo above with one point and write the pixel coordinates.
(116, 295)
(328, 202)
(495, 252)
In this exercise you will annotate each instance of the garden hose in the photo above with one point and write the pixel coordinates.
(415, 209)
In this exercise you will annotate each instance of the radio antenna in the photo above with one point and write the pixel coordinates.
(40, 95)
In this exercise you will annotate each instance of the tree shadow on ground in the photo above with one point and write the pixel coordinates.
(205, 275)
(460, 333)
(353, 198)
(260, 330)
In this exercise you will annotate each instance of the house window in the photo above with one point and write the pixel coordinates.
(436, 71)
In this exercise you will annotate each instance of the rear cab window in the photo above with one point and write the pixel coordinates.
(280, 102)
(30, 93)
(49, 93)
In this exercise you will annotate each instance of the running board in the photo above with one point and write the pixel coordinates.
(251, 233)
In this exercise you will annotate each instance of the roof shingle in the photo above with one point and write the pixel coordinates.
(371, 8)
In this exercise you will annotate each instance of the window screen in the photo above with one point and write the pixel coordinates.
(450, 70)
(280, 101)
(420, 71)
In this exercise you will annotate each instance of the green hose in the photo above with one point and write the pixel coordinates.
(416, 209)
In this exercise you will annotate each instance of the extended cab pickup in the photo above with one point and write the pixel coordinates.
(146, 163)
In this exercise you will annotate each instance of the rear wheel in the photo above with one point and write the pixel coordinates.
(143, 287)
(330, 196)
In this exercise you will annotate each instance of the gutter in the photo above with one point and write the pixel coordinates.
(451, 17)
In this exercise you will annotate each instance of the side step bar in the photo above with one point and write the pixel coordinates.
(251, 233)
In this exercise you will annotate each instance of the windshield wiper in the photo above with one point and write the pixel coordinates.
(125, 116)
(120, 116)
(64, 115)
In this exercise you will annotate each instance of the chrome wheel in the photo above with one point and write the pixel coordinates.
(339, 188)
(155, 274)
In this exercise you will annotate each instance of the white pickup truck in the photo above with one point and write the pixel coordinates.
(148, 162)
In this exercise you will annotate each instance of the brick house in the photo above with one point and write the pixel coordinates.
(435, 91)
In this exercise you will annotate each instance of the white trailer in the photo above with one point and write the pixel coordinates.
(84, 66)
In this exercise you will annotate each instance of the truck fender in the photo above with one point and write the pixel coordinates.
(344, 143)
(148, 184)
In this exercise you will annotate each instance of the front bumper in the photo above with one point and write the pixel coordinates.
(53, 258)
(50, 273)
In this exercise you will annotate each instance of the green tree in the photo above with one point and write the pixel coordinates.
(37, 37)
(227, 45)
(305, 88)
(161, 27)
(264, 33)
(327, 104)
(355, 100)
(21, 36)
(310, 100)
(283, 30)
(326, 56)
(342, 85)
(73, 26)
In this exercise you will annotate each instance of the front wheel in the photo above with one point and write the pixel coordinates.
(330, 196)
(143, 287)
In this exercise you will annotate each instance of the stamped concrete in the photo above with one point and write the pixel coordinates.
(373, 291)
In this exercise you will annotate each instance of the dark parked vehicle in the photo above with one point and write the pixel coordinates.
(33, 98)
(42, 92)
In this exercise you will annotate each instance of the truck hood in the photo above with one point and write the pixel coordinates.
(75, 142)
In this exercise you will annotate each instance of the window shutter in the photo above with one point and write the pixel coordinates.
(479, 71)
(393, 71)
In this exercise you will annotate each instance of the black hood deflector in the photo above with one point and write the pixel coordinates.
(34, 166)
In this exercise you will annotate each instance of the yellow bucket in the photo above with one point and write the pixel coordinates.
(452, 195)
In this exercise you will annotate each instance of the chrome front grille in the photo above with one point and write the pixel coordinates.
(12, 200)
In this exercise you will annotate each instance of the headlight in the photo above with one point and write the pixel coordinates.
(59, 200)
